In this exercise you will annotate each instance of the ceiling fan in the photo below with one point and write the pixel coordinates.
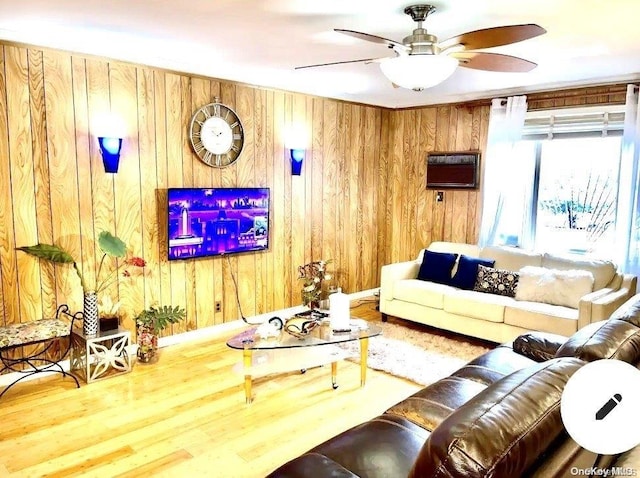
(421, 61)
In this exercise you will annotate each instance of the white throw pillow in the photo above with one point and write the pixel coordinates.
(552, 286)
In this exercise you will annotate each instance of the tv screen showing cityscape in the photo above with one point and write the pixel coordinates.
(215, 221)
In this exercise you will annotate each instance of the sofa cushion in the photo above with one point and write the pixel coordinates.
(555, 319)
(554, 286)
(477, 305)
(310, 463)
(603, 271)
(429, 294)
(493, 365)
(437, 267)
(496, 281)
(467, 271)
(383, 447)
(511, 258)
(607, 339)
(431, 405)
(504, 429)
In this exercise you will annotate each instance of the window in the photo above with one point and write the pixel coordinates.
(572, 203)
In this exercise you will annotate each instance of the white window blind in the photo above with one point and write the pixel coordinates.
(574, 122)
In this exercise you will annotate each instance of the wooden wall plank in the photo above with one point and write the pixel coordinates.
(329, 188)
(10, 307)
(102, 184)
(188, 160)
(175, 179)
(245, 166)
(262, 177)
(22, 183)
(268, 276)
(128, 205)
(384, 203)
(427, 202)
(367, 199)
(149, 217)
(229, 178)
(63, 169)
(352, 232)
(203, 285)
(162, 183)
(83, 160)
(41, 178)
(317, 159)
(281, 277)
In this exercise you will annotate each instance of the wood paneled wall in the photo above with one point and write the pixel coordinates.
(54, 188)
(415, 219)
(361, 200)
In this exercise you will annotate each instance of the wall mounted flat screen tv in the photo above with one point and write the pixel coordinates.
(453, 170)
(214, 221)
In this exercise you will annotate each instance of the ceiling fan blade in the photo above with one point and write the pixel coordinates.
(493, 62)
(372, 38)
(497, 36)
(337, 63)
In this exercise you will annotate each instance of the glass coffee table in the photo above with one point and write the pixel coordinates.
(286, 352)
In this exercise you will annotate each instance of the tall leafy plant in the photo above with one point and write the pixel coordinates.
(110, 245)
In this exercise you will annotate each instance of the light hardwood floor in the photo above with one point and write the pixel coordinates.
(185, 416)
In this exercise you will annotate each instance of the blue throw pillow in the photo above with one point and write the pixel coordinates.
(467, 272)
(437, 267)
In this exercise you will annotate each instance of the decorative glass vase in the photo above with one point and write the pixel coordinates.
(147, 343)
(90, 313)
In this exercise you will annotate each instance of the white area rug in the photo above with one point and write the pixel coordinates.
(419, 356)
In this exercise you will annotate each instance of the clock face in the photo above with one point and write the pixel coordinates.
(217, 136)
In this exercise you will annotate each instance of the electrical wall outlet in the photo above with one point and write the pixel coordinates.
(218, 306)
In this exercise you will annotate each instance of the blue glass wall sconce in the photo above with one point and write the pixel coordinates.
(297, 156)
(110, 149)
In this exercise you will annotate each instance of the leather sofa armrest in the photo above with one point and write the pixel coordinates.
(538, 346)
(391, 273)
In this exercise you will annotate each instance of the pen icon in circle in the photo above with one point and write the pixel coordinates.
(607, 407)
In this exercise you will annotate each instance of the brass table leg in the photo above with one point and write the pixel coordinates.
(334, 373)
(247, 374)
(364, 349)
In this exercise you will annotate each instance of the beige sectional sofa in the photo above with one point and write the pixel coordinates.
(495, 317)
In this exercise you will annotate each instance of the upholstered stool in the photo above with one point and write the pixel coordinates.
(42, 334)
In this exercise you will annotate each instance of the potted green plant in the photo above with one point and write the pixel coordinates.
(313, 275)
(149, 323)
(111, 246)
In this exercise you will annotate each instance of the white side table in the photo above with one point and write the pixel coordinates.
(95, 357)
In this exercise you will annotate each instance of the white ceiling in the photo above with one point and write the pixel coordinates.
(260, 42)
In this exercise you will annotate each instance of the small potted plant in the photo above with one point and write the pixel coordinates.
(149, 323)
(313, 275)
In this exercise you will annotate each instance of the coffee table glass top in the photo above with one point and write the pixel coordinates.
(321, 335)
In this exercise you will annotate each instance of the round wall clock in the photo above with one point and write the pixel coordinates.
(216, 134)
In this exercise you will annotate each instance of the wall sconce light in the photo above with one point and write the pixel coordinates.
(297, 156)
(110, 149)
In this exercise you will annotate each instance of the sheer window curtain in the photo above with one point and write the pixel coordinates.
(627, 220)
(507, 181)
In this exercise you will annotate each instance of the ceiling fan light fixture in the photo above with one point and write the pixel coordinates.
(417, 72)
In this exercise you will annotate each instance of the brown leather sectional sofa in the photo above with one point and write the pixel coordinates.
(498, 416)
